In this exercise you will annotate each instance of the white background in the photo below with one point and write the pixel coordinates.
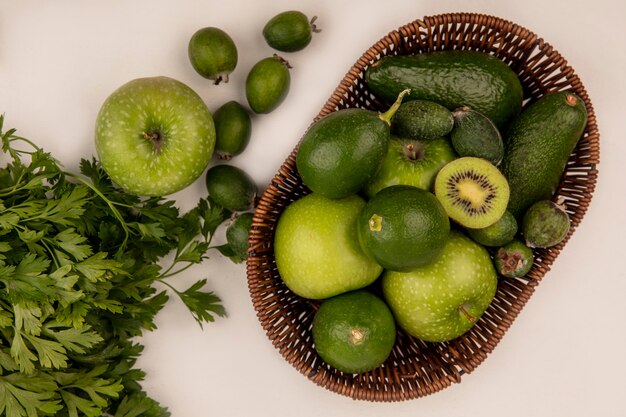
(563, 356)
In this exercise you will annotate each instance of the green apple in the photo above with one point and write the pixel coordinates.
(154, 136)
(411, 162)
(317, 250)
(444, 299)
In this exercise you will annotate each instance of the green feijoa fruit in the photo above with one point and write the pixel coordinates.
(444, 299)
(233, 128)
(213, 54)
(403, 227)
(422, 120)
(267, 84)
(537, 146)
(452, 78)
(545, 224)
(289, 31)
(354, 332)
(498, 234)
(411, 162)
(514, 259)
(340, 152)
(475, 135)
(231, 187)
(473, 192)
(237, 235)
(317, 250)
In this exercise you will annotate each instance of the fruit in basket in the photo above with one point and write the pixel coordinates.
(411, 162)
(403, 227)
(444, 299)
(237, 235)
(515, 259)
(154, 136)
(473, 192)
(317, 250)
(267, 84)
(545, 224)
(340, 152)
(500, 233)
(289, 31)
(213, 54)
(231, 187)
(422, 120)
(354, 332)
(233, 128)
(453, 79)
(475, 135)
(537, 146)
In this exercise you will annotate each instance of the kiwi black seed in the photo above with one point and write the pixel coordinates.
(473, 191)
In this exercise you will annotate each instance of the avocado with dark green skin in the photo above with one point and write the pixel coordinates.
(453, 79)
(537, 146)
(340, 152)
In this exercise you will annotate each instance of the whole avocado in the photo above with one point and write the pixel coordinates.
(453, 79)
(537, 146)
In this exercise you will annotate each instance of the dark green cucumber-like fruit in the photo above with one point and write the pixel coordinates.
(537, 146)
(233, 128)
(514, 259)
(422, 120)
(231, 187)
(545, 224)
(267, 84)
(340, 152)
(453, 79)
(289, 31)
(475, 135)
(213, 54)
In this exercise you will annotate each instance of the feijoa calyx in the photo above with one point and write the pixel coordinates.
(514, 259)
(213, 54)
(233, 128)
(545, 224)
(231, 187)
(340, 152)
(267, 84)
(289, 31)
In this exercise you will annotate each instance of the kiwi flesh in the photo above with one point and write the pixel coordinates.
(473, 192)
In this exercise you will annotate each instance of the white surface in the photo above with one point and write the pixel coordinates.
(60, 59)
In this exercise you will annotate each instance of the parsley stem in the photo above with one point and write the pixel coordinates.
(168, 272)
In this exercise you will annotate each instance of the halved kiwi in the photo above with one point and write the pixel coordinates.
(473, 192)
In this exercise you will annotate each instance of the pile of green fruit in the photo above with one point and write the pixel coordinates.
(415, 213)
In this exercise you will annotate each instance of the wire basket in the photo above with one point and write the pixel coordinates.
(416, 368)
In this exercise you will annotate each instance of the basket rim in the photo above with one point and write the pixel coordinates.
(354, 75)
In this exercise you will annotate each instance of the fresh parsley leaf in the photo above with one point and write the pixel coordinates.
(202, 305)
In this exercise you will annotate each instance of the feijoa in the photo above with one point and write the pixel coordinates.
(475, 135)
(514, 259)
(340, 152)
(267, 84)
(498, 234)
(213, 54)
(231, 187)
(354, 332)
(289, 31)
(545, 224)
(233, 128)
(237, 235)
(422, 120)
(403, 227)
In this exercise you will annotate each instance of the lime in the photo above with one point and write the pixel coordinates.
(403, 227)
(354, 332)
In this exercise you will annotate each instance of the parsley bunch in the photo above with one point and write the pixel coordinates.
(79, 258)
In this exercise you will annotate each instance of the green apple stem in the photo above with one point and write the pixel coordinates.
(154, 138)
(466, 313)
(386, 116)
(413, 152)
